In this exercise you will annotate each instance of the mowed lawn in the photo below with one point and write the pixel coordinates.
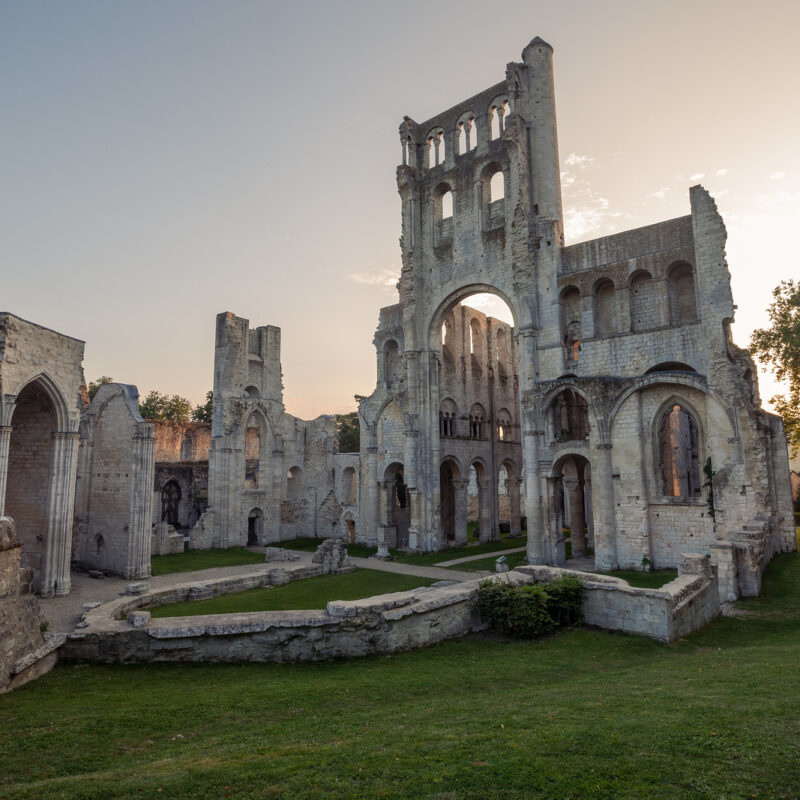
(582, 714)
(301, 594)
(191, 560)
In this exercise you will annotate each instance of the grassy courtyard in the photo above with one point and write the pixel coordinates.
(302, 594)
(582, 714)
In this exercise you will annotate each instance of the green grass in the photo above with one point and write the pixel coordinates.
(645, 580)
(307, 593)
(513, 560)
(310, 544)
(191, 560)
(582, 714)
(420, 559)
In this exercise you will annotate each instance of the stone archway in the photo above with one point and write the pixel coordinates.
(39, 478)
(572, 529)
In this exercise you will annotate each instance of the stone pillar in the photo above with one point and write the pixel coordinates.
(485, 509)
(512, 488)
(141, 510)
(5, 440)
(55, 570)
(460, 489)
(533, 498)
(605, 533)
(574, 487)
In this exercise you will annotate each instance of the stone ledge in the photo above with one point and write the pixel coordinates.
(52, 641)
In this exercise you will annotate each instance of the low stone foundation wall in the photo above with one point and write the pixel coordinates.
(122, 631)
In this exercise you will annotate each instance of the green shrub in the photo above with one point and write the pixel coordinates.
(533, 610)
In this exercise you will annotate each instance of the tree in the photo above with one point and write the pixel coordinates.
(162, 406)
(349, 432)
(203, 413)
(95, 385)
(779, 346)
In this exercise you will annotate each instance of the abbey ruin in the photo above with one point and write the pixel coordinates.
(616, 418)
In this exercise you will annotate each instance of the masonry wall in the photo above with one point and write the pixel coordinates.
(20, 620)
(114, 488)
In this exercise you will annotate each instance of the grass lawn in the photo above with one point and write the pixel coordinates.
(420, 559)
(306, 593)
(582, 714)
(645, 580)
(513, 560)
(191, 560)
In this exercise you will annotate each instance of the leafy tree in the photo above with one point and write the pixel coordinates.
(349, 432)
(203, 413)
(779, 346)
(161, 406)
(95, 385)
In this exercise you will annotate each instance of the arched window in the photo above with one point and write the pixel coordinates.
(477, 417)
(435, 142)
(680, 287)
(252, 391)
(170, 502)
(447, 418)
(504, 425)
(571, 323)
(349, 486)
(391, 361)
(294, 483)
(492, 194)
(499, 110)
(643, 300)
(605, 316)
(187, 447)
(467, 134)
(680, 455)
(474, 336)
(442, 206)
(497, 187)
(569, 415)
(502, 353)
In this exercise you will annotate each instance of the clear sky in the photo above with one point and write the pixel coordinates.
(165, 160)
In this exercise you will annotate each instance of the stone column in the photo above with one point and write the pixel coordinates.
(5, 440)
(61, 504)
(574, 487)
(141, 510)
(460, 489)
(512, 488)
(605, 533)
(485, 509)
(533, 498)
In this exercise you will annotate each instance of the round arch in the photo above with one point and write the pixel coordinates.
(450, 301)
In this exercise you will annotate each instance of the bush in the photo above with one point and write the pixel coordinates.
(533, 610)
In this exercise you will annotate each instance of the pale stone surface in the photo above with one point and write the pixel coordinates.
(114, 499)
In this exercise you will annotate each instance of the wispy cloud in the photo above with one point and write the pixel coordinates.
(387, 278)
(776, 176)
(720, 172)
(585, 210)
(778, 198)
(660, 194)
(697, 176)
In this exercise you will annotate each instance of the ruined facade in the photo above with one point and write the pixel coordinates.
(639, 419)
(271, 476)
(114, 498)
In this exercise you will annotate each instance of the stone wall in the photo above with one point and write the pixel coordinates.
(114, 508)
(181, 441)
(24, 652)
(376, 625)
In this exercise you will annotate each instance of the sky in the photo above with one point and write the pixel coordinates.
(162, 161)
